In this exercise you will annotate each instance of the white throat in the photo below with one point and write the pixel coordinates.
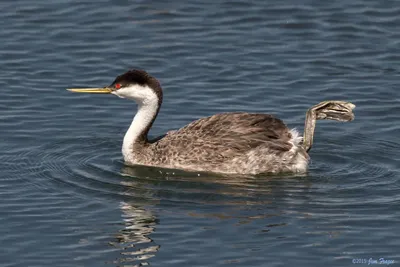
(147, 102)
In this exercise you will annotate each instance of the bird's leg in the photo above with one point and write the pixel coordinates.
(326, 110)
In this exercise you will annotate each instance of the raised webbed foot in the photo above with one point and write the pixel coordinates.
(326, 110)
(334, 110)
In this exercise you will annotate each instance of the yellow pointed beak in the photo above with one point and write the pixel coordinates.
(104, 90)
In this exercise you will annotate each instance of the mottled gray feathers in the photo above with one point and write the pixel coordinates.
(212, 143)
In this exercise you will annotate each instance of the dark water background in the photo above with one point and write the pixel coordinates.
(66, 199)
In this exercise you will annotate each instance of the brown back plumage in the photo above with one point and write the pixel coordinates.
(222, 137)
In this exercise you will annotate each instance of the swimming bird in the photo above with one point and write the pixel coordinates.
(233, 142)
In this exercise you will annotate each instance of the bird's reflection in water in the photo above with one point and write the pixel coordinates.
(239, 199)
(133, 240)
(139, 223)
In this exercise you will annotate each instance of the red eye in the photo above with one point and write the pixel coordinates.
(118, 85)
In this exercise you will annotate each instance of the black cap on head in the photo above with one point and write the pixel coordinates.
(135, 76)
(140, 77)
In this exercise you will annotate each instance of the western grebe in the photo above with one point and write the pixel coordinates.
(236, 142)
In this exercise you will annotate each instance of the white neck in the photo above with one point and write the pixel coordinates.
(147, 110)
(144, 116)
